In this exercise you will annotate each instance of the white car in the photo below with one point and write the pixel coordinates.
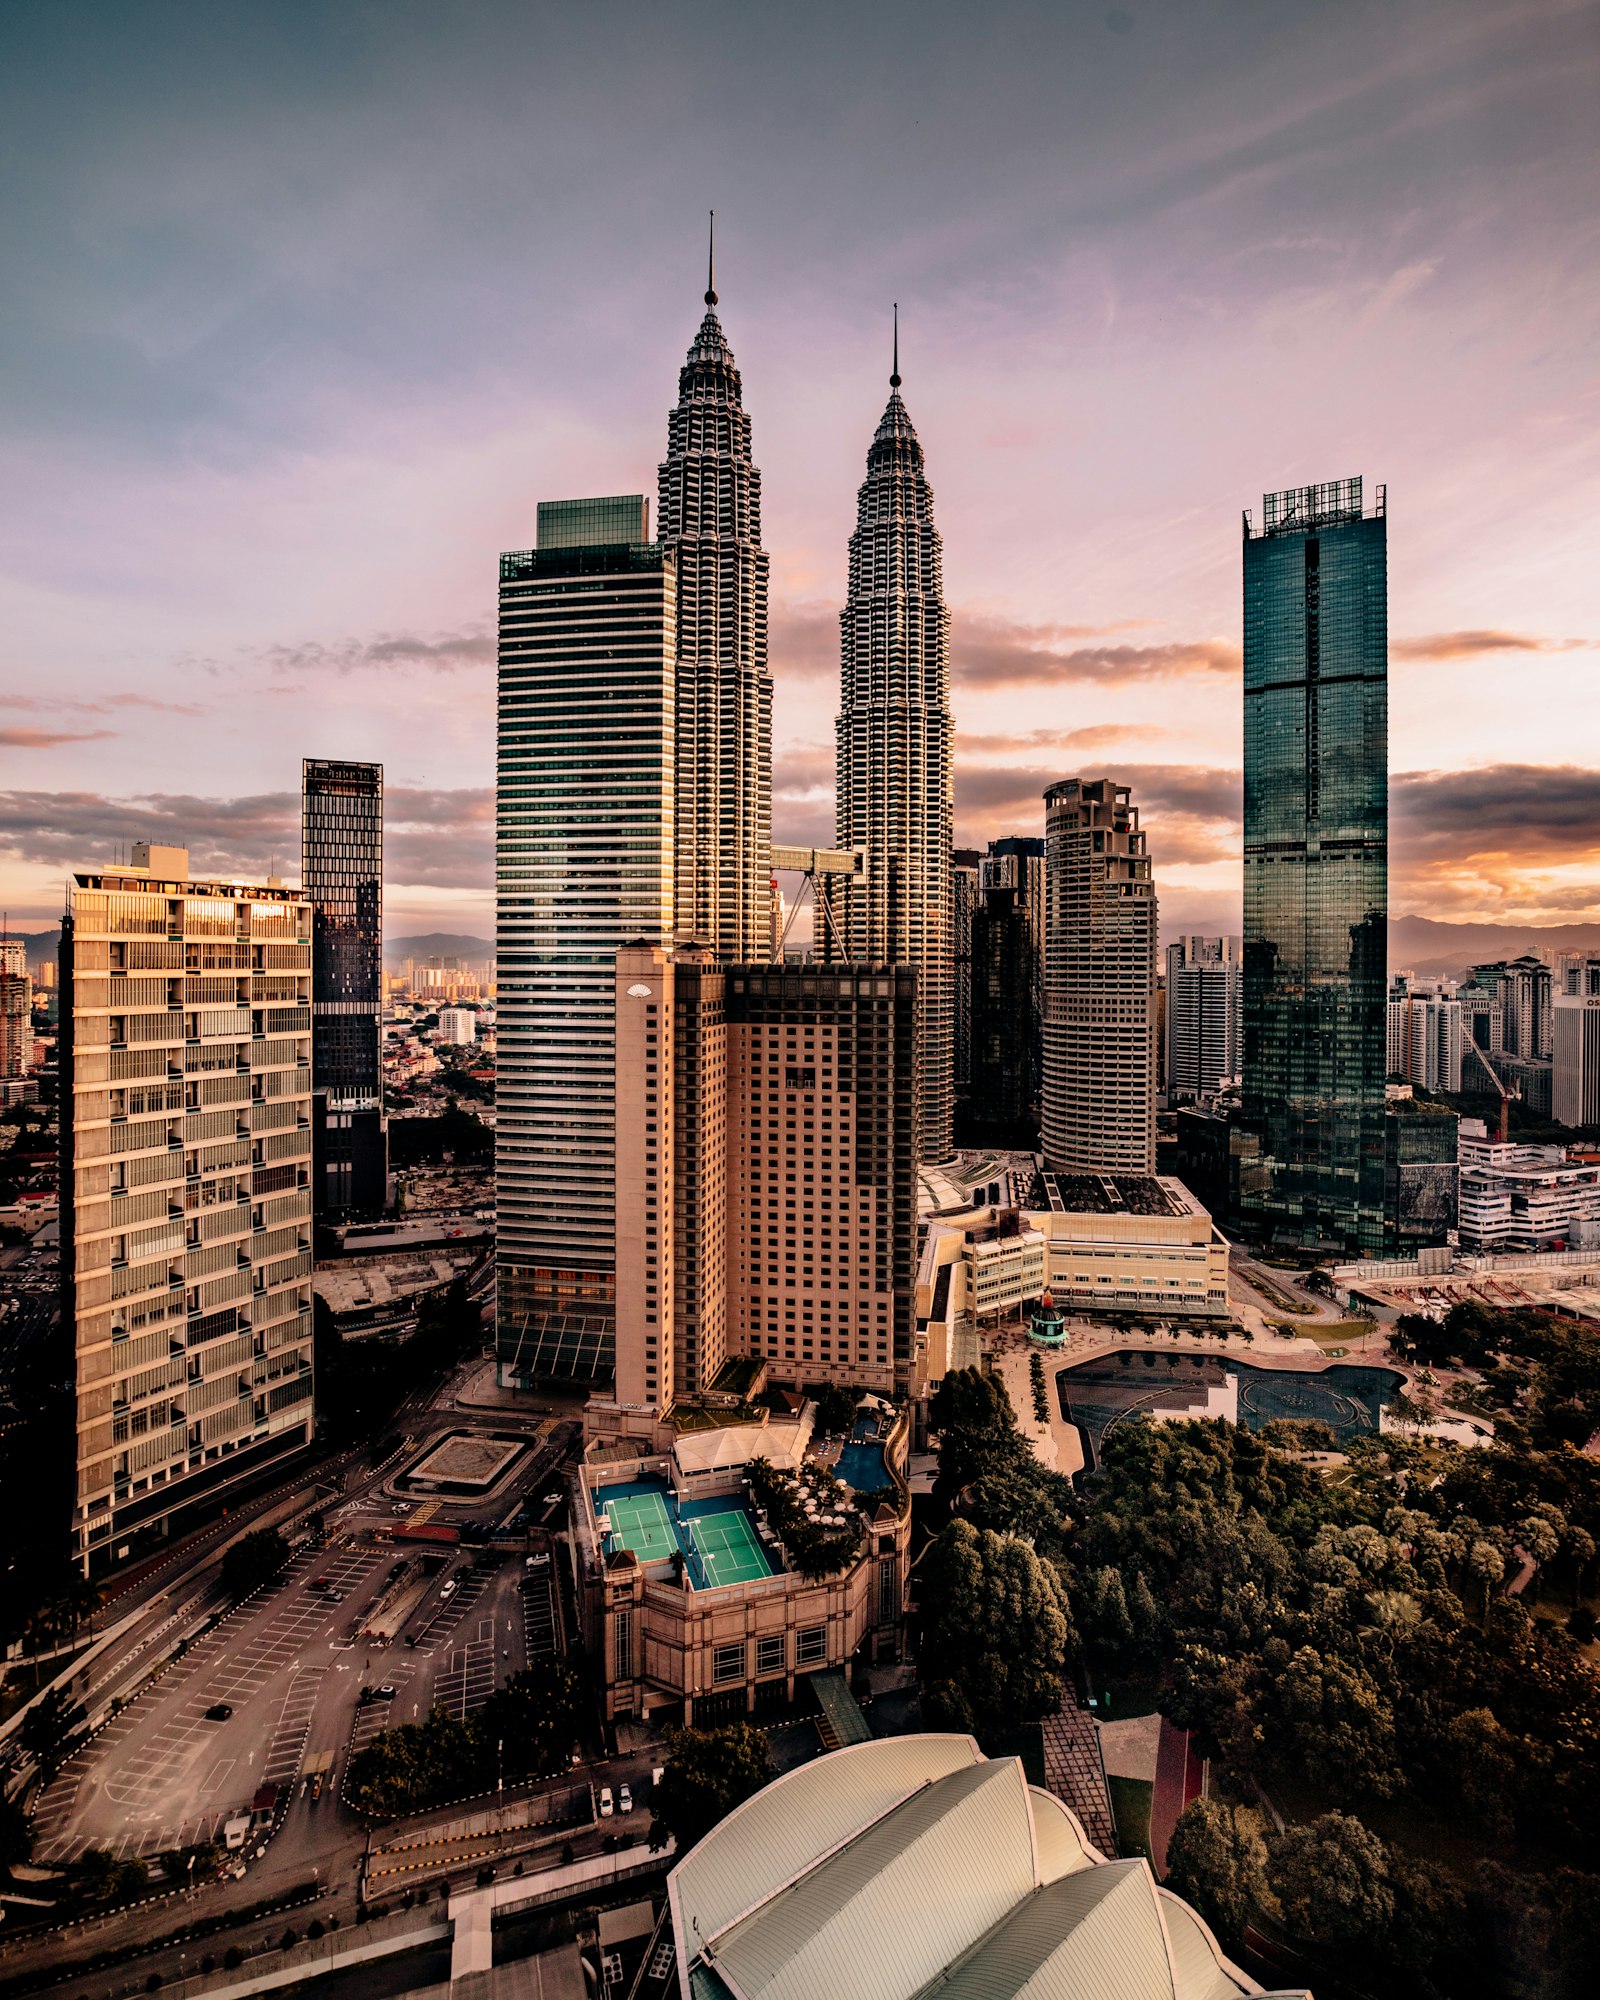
(449, 1589)
(624, 1799)
(607, 1806)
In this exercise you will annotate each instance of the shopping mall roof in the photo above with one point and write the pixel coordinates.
(909, 1867)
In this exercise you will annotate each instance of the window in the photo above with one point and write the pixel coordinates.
(810, 1645)
(624, 1632)
(727, 1663)
(802, 1079)
(770, 1654)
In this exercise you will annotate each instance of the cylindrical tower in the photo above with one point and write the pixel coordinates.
(1099, 1109)
(894, 734)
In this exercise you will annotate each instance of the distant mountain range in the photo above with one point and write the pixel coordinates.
(1421, 943)
(1434, 948)
(437, 944)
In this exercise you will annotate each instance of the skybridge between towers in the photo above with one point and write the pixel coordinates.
(833, 866)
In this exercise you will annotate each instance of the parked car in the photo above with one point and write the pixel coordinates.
(219, 1711)
(607, 1803)
(624, 1799)
(449, 1589)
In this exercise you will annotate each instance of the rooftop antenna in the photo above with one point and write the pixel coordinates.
(894, 379)
(711, 262)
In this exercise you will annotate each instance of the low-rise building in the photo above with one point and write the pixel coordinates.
(698, 1605)
(911, 1866)
(1522, 1197)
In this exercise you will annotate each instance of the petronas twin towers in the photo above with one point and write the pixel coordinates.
(893, 798)
(634, 802)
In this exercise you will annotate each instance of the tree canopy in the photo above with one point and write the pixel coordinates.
(708, 1772)
(252, 1561)
(996, 1631)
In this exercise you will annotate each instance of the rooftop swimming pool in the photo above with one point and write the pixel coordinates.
(1346, 1397)
(862, 1464)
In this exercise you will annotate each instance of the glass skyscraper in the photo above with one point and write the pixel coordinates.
(341, 865)
(1316, 834)
(584, 864)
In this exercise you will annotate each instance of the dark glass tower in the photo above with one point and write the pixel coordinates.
(1316, 853)
(893, 752)
(341, 868)
(1008, 991)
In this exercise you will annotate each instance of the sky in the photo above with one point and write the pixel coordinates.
(309, 305)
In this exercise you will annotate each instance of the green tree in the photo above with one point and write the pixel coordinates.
(16, 1834)
(47, 1726)
(1333, 1883)
(708, 1772)
(252, 1561)
(1217, 1860)
(535, 1716)
(1328, 1718)
(996, 1631)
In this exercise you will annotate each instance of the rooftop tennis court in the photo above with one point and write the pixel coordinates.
(716, 1537)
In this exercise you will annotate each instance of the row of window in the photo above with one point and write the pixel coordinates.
(728, 1663)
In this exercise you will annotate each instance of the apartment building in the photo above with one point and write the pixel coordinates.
(186, 1100)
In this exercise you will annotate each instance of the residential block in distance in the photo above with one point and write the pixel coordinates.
(186, 1100)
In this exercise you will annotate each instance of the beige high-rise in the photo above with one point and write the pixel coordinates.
(765, 1172)
(1099, 1105)
(186, 1191)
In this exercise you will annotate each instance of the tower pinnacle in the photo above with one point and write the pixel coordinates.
(711, 263)
(894, 379)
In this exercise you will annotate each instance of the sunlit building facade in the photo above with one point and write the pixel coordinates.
(1316, 863)
(893, 759)
(186, 1096)
(584, 863)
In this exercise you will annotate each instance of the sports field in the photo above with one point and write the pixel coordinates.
(727, 1547)
(716, 1537)
(640, 1522)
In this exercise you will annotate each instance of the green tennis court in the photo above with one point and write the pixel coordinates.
(726, 1544)
(639, 1522)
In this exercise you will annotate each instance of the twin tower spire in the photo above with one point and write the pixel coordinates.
(893, 731)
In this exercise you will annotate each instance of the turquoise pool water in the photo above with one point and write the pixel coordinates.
(862, 1465)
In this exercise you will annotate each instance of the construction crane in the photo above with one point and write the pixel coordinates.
(1502, 1123)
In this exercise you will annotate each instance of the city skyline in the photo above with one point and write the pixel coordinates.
(1388, 216)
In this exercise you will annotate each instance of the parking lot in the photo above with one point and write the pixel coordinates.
(288, 1667)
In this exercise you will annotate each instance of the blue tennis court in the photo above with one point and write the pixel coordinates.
(715, 1536)
(639, 1522)
(727, 1547)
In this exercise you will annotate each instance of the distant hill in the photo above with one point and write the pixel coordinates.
(437, 944)
(40, 944)
(1435, 948)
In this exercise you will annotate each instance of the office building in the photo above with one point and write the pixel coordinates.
(1316, 863)
(1575, 1040)
(1007, 991)
(708, 521)
(1204, 996)
(1099, 1098)
(894, 734)
(584, 862)
(766, 1184)
(341, 875)
(963, 903)
(186, 1126)
(1523, 1198)
(1420, 1171)
(907, 1867)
